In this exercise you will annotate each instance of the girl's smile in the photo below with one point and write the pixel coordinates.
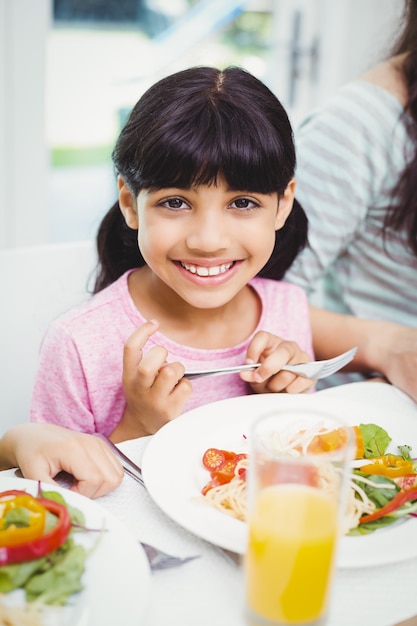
(209, 273)
(212, 270)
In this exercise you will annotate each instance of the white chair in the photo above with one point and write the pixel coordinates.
(37, 284)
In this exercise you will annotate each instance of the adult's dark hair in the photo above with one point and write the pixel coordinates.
(404, 214)
(189, 129)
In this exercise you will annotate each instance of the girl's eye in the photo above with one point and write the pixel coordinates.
(243, 203)
(175, 204)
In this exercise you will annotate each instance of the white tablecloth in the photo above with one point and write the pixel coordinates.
(209, 590)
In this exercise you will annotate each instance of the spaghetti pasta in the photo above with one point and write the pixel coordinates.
(230, 497)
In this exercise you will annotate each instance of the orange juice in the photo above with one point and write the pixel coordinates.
(292, 537)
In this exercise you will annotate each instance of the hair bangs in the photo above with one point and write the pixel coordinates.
(209, 144)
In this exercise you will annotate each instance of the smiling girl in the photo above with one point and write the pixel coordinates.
(206, 213)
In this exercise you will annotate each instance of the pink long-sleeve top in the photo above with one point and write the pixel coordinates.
(79, 380)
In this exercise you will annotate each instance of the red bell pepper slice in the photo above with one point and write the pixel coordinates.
(50, 541)
(400, 498)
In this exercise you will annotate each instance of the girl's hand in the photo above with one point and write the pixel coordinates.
(155, 391)
(43, 450)
(274, 352)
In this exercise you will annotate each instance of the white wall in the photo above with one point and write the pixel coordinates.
(339, 39)
(23, 159)
(354, 35)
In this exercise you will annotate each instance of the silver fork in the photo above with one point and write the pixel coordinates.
(161, 560)
(321, 369)
(313, 369)
(129, 467)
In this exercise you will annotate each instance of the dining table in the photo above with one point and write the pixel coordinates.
(210, 589)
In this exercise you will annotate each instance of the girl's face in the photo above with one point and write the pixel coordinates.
(207, 242)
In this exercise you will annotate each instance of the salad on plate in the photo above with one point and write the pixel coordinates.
(38, 552)
(383, 485)
(66, 573)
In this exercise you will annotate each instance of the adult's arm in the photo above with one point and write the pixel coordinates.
(384, 347)
(343, 161)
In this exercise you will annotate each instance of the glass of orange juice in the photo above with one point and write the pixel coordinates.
(298, 477)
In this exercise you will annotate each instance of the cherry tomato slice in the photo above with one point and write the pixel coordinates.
(228, 467)
(213, 459)
(225, 473)
(221, 465)
(228, 454)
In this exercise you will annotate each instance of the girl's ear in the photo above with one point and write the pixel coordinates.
(285, 205)
(127, 204)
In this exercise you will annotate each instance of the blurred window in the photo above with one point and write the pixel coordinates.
(102, 55)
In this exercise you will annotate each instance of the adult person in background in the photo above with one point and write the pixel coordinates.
(357, 181)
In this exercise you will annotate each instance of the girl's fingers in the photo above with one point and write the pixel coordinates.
(169, 375)
(266, 347)
(273, 358)
(150, 370)
(147, 371)
(260, 344)
(96, 470)
(132, 351)
(288, 382)
(172, 406)
(274, 353)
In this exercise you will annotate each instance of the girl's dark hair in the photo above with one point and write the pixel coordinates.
(404, 214)
(190, 128)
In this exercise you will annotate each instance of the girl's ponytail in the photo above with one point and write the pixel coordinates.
(289, 241)
(117, 248)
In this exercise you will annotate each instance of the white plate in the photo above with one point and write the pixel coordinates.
(174, 474)
(117, 576)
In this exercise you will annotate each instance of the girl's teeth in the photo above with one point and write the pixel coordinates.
(207, 271)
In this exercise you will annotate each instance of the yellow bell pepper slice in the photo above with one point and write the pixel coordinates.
(389, 465)
(14, 535)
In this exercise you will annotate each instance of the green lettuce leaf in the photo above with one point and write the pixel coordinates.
(375, 439)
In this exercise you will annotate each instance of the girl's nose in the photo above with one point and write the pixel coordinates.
(208, 233)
